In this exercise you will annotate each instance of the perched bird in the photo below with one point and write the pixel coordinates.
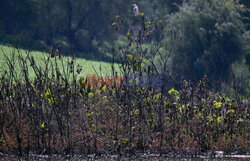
(135, 10)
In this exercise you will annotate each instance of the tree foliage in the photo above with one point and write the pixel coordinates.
(210, 38)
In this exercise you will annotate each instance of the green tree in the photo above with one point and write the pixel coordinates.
(210, 36)
(15, 16)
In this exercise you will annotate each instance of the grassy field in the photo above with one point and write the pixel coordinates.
(88, 66)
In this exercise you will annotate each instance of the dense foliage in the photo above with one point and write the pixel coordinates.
(52, 114)
(210, 38)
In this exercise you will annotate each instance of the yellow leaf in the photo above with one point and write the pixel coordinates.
(128, 35)
(219, 119)
(104, 88)
(98, 91)
(130, 56)
(117, 17)
(149, 23)
(137, 112)
(91, 95)
(217, 104)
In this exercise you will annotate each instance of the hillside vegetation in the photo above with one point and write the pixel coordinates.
(211, 37)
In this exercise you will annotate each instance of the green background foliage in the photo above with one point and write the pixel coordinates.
(212, 36)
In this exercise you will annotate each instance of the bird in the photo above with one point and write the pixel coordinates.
(135, 10)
